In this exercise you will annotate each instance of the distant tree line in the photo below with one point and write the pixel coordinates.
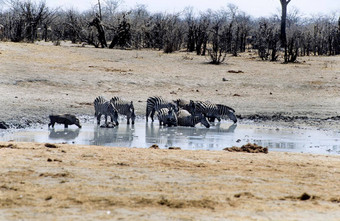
(211, 33)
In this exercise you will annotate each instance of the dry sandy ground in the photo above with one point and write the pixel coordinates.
(37, 80)
(99, 183)
(86, 182)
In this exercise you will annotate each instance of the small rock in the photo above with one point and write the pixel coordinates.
(224, 79)
(154, 146)
(304, 196)
(49, 145)
(174, 148)
(49, 160)
(235, 72)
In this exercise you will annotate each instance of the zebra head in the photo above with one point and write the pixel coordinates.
(173, 105)
(204, 121)
(172, 117)
(113, 113)
(192, 107)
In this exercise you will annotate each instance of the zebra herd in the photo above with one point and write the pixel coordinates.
(169, 113)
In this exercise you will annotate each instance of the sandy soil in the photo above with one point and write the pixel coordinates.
(73, 182)
(89, 182)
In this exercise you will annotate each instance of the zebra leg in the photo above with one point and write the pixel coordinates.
(152, 114)
(98, 118)
(65, 125)
(147, 114)
(52, 123)
(106, 119)
(128, 120)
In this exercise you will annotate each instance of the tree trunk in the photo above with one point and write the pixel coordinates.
(283, 37)
(101, 32)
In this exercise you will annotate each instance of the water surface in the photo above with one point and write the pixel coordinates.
(216, 137)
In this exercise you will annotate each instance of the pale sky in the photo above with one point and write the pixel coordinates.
(256, 8)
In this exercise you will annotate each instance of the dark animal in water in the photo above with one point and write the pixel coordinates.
(186, 119)
(66, 119)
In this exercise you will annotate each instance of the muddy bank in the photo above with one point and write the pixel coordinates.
(274, 119)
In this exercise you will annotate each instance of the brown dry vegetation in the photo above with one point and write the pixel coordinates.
(70, 182)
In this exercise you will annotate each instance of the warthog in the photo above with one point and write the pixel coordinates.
(66, 119)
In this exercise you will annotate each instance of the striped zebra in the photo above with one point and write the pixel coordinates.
(225, 111)
(106, 108)
(213, 111)
(184, 118)
(167, 117)
(155, 103)
(209, 110)
(124, 108)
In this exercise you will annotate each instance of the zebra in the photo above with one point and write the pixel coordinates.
(124, 108)
(213, 111)
(105, 107)
(184, 118)
(155, 103)
(167, 116)
(208, 109)
(224, 111)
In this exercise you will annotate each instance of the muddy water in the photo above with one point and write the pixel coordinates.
(216, 137)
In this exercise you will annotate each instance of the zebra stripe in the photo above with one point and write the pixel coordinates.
(224, 111)
(106, 108)
(167, 117)
(206, 108)
(155, 103)
(184, 118)
(124, 108)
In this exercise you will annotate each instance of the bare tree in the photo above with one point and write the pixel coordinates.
(122, 35)
(219, 40)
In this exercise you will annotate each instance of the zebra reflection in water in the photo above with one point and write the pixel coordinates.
(173, 136)
(118, 136)
(187, 137)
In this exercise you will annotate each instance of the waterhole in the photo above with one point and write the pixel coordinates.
(217, 137)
